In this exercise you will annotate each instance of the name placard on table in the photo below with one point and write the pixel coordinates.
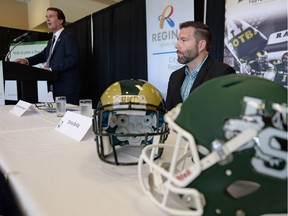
(71, 124)
(23, 107)
(74, 125)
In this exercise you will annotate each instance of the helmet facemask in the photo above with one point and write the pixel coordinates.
(123, 128)
(167, 179)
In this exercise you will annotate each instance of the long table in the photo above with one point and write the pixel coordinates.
(53, 174)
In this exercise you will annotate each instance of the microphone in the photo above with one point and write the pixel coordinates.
(21, 37)
(18, 41)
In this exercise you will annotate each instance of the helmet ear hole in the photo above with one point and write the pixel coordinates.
(242, 188)
(130, 114)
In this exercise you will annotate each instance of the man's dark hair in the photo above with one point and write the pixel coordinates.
(203, 32)
(60, 14)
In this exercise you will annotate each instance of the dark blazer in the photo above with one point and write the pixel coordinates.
(209, 70)
(64, 64)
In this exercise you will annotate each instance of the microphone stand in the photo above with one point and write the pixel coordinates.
(7, 57)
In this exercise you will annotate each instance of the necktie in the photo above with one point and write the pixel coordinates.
(51, 50)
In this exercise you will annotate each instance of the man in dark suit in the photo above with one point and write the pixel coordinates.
(61, 56)
(193, 46)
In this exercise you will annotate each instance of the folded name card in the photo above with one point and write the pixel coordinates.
(23, 107)
(74, 125)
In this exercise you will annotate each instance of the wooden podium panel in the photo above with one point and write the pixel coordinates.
(26, 77)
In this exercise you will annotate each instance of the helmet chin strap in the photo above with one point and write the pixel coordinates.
(223, 152)
(228, 148)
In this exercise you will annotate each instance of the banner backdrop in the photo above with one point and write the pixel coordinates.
(256, 38)
(26, 49)
(163, 19)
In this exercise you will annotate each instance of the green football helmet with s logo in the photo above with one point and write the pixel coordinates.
(230, 151)
(129, 116)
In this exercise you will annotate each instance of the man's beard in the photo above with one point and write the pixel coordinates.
(188, 56)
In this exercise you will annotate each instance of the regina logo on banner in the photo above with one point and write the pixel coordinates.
(165, 17)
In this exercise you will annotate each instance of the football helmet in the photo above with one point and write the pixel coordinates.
(230, 151)
(262, 57)
(129, 116)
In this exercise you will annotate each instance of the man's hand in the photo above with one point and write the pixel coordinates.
(22, 61)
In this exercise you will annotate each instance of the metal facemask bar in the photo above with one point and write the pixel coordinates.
(108, 149)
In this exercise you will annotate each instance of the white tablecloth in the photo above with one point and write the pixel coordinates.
(53, 174)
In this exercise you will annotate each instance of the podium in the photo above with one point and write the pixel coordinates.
(26, 77)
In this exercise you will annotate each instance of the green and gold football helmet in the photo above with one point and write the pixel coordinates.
(129, 116)
(230, 151)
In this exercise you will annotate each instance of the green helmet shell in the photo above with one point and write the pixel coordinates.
(203, 115)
